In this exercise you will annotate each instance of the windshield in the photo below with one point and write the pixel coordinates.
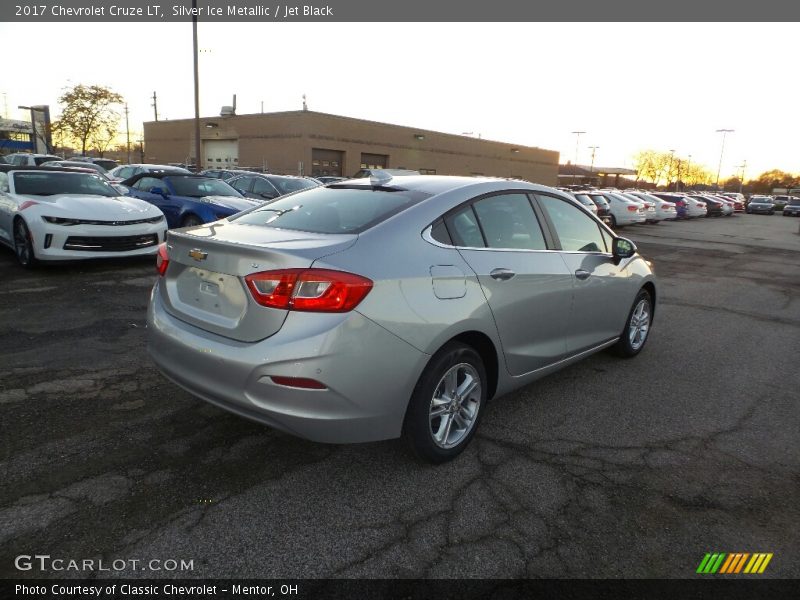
(51, 183)
(197, 187)
(332, 210)
(287, 186)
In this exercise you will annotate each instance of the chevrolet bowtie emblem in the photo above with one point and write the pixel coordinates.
(198, 254)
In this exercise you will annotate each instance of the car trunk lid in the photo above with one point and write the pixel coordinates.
(204, 284)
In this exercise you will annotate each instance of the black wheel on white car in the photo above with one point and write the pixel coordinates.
(23, 244)
(613, 221)
(446, 404)
(637, 327)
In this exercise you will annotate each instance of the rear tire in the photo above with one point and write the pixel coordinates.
(637, 327)
(613, 220)
(447, 403)
(23, 245)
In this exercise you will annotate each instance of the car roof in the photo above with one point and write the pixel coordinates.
(8, 168)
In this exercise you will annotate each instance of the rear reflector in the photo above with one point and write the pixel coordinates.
(298, 382)
(311, 290)
(162, 259)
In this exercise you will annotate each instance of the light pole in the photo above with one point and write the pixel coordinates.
(741, 180)
(724, 132)
(591, 166)
(577, 135)
(688, 167)
(669, 169)
(35, 136)
(197, 163)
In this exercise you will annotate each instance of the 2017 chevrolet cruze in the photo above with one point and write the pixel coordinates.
(369, 309)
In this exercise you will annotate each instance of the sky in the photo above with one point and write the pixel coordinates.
(628, 86)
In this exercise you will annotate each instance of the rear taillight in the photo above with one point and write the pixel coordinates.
(632, 208)
(311, 290)
(162, 259)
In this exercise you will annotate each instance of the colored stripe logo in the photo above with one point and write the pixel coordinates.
(734, 563)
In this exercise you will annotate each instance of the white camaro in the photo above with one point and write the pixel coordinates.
(57, 214)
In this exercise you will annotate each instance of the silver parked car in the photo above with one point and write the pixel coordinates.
(393, 306)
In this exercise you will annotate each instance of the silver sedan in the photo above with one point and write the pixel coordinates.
(393, 306)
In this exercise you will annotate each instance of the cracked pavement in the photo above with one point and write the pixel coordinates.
(609, 468)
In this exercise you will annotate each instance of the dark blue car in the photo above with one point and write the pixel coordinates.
(188, 200)
(681, 208)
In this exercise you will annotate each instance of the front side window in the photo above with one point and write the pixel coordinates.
(197, 187)
(286, 185)
(262, 186)
(241, 184)
(577, 231)
(147, 183)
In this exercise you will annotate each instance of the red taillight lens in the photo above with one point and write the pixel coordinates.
(162, 259)
(311, 290)
(632, 208)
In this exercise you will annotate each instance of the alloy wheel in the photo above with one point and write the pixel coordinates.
(455, 405)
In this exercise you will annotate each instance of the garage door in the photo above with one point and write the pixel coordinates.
(221, 154)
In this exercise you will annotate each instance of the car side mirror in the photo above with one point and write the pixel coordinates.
(158, 190)
(622, 248)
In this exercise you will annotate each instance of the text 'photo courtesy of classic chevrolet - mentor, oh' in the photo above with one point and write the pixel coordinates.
(382, 307)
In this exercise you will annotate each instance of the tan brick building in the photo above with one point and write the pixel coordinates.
(312, 143)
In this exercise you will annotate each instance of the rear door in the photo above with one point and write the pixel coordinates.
(527, 286)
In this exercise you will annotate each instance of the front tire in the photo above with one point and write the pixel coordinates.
(613, 222)
(23, 245)
(446, 405)
(637, 326)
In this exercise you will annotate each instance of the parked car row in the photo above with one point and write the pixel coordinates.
(60, 210)
(631, 206)
(768, 205)
(56, 213)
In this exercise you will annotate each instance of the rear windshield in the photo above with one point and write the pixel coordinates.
(332, 210)
(51, 183)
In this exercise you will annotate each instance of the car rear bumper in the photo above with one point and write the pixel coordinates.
(368, 372)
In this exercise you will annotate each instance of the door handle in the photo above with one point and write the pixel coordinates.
(582, 274)
(502, 274)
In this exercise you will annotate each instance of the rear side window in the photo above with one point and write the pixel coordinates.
(508, 221)
(465, 230)
(332, 209)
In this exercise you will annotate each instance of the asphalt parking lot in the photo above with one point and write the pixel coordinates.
(610, 468)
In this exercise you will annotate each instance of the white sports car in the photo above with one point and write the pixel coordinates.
(57, 214)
